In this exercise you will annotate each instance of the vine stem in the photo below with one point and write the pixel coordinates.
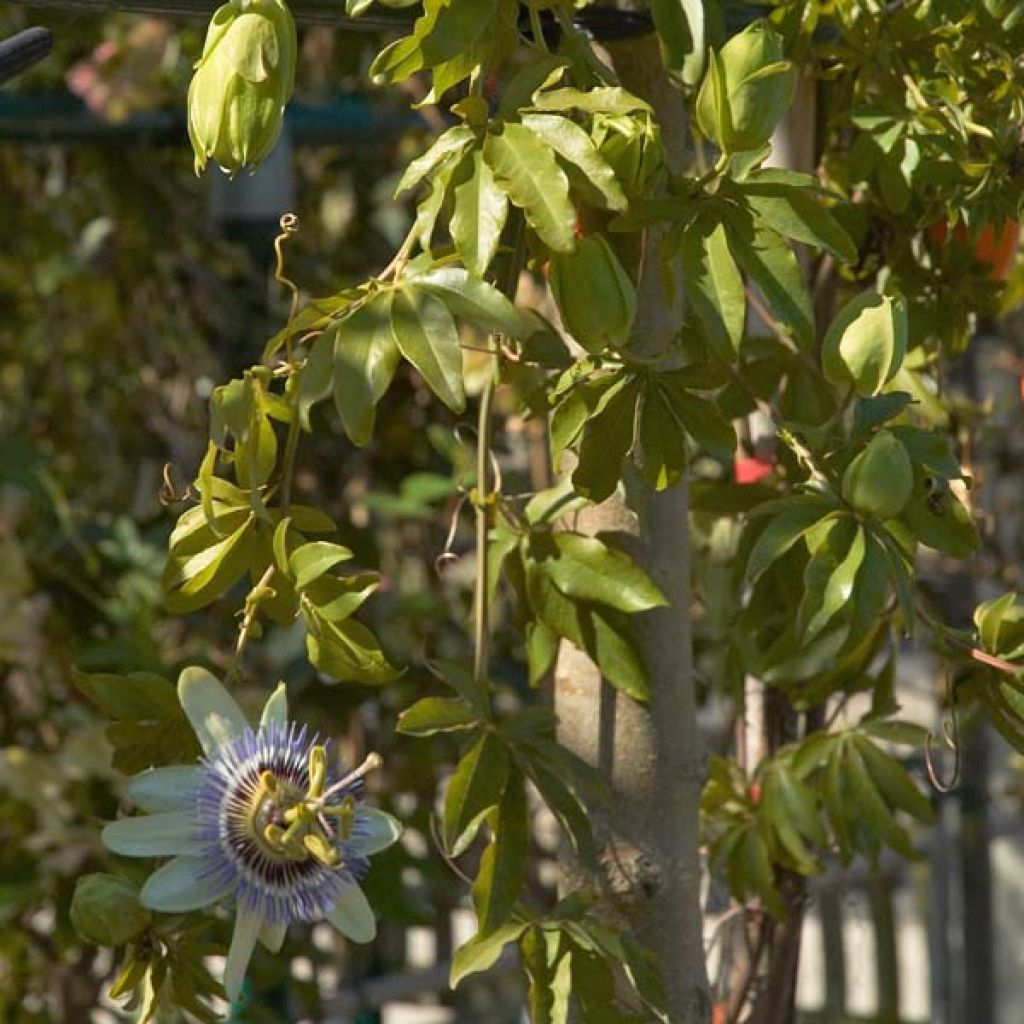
(484, 498)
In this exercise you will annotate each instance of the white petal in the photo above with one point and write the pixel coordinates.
(243, 942)
(377, 830)
(214, 715)
(153, 835)
(165, 789)
(272, 936)
(180, 885)
(276, 708)
(353, 916)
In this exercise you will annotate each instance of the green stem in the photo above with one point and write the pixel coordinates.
(536, 29)
(484, 498)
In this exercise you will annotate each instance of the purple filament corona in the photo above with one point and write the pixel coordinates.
(281, 889)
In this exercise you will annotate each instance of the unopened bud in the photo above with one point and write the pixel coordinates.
(241, 83)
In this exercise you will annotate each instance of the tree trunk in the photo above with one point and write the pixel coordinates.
(652, 754)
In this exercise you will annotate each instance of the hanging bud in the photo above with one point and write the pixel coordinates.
(595, 296)
(879, 481)
(746, 90)
(241, 84)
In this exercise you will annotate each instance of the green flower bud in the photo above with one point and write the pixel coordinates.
(746, 90)
(632, 146)
(595, 296)
(879, 481)
(241, 84)
(105, 910)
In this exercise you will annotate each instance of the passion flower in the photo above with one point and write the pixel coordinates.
(241, 83)
(265, 821)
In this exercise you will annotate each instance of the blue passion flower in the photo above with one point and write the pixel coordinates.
(265, 821)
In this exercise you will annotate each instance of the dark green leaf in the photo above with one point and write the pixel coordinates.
(426, 335)
(714, 286)
(437, 714)
(475, 788)
(503, 864)
(586, 569)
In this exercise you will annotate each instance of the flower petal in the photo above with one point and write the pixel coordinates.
(276, 708)
(153, 835)
(181, 885)
(272, 936)
(165, 789)
(214, 715)
(375, 830)
(243, 942)
(353, 916)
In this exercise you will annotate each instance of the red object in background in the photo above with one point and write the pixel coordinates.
(755, 793)
(751, 470)
(995, 246)
(718, 1013)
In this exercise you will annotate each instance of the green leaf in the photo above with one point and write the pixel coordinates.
(429, 207)
(447, 145)
(527, 171)
(783, 532)
(714, 286)
(541, 651)
(576, 147)
(662, 441)
(335, 598)
(830, 576)
(479, 214)
(680, 25)
(797, 212)
(503, 864)
(551, 504)
(426, 335)
(477, 301)
(483, 950)
(586, 569)
(607, 440)
(316, 378)
(764, 255)
(432, 715)
(701, 419)
(796, 800)
(875, 815)
(940, 520)
(542, 71)
(149, 727)
(203, 566)
(610, 100)
(310, 561)
(570, 813)
(346, 650)
(603, 633)
(474, 789)
(893, 781)
(866, 342)
(365, 359)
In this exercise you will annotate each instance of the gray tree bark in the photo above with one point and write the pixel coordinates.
(651, 754)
